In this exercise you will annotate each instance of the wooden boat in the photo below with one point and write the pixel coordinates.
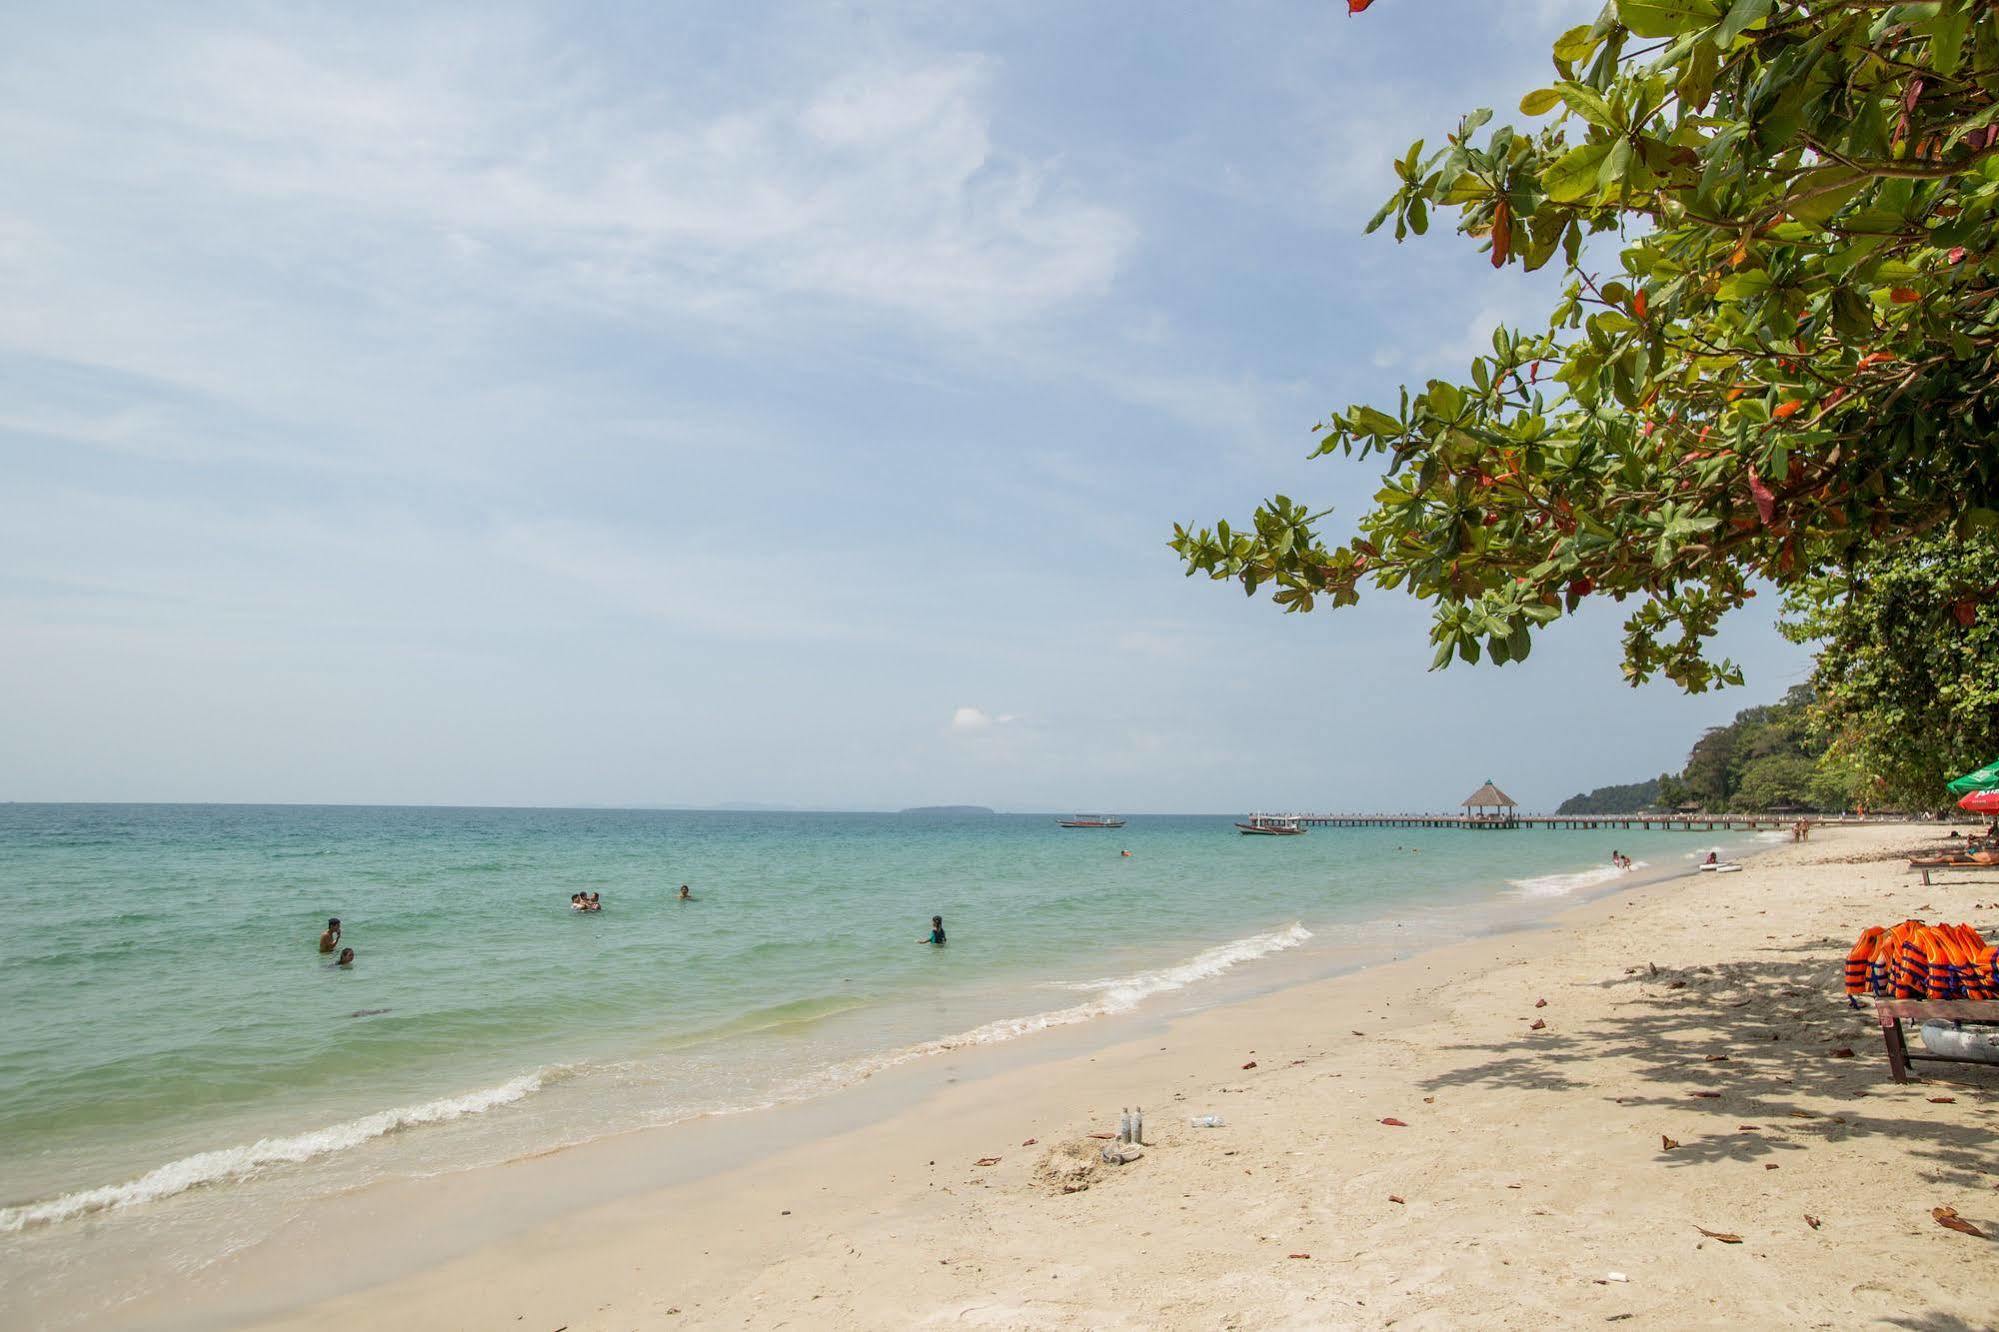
(1090, 821)
(1272, 825)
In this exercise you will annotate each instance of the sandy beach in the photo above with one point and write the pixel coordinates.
(1640, 1113)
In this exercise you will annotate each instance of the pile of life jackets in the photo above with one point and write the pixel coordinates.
(1917, 961)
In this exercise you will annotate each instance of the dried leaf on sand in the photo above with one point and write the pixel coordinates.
(1392, 1122)
(1948, 1218)
(1667, 1144)
(1721, 1236)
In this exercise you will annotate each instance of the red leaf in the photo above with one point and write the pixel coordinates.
(1396, 1198)
(1667, 1144)
(1903, 295)
(1250, 1064)
(1966, 612)
(1536, 1025)
(1766, 500)
(1353, 7)
(1843, 1052)
(1813, 1221)
(1786, 410)
(1502, 229)
(1394, 1123)
(1638, 304)
(1956, 254)
(1948, 1218)
(1540, 1003)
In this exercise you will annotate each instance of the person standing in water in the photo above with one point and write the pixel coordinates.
(685, 895)
(346, 958)
(330, 938)
(936, 932)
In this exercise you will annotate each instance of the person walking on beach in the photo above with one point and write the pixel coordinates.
(330, 938)
(936, 938)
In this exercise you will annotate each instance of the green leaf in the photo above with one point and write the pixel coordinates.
(1576, 43)
(1741, 15)
(1573, 176)
(1947, 39)
(1540, 102)
(1588, 103)
(1666, 18)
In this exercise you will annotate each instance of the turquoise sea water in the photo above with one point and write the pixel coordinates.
(178, 1053)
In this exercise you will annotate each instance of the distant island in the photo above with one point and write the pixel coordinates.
(946, 809)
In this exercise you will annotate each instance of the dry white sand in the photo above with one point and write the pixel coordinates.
(1529, 1166)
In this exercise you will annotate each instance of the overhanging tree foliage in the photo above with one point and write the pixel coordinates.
(1908, 669)
(1791, 369)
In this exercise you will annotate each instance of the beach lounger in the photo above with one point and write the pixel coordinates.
(1892, 1013)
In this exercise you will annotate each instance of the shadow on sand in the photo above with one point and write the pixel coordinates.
(1761, 1034)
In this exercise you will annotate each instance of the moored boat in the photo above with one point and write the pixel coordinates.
(1273, 825)
(1090, 821)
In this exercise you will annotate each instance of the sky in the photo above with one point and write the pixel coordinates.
(718, 401)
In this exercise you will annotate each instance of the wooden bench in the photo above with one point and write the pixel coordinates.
(1994, 869)
(1892, 1013)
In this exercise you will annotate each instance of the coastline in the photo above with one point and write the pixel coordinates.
(640, 1224)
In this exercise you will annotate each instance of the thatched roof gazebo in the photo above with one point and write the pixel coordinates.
(1490, 807)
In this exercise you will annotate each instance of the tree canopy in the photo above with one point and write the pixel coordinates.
(1907, 679)
(1767, 757)
(1789, 369)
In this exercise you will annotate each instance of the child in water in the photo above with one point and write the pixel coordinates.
(936, 932)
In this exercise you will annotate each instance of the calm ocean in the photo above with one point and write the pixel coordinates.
(177, 1054)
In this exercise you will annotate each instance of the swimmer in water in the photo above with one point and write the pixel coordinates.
(346, 958)
(936, 932)
(685, 895)
(1125, 854)
(330, 939)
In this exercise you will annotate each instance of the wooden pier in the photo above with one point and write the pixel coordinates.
(1592, 822)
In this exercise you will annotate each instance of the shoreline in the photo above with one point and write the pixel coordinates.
(1216, 975)
(626, 1182)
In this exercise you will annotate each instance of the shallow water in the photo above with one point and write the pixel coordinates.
(181, 1057)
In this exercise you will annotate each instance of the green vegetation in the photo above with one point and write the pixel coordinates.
(1907, 679)
(1768, 758)
(1787, 372)
(1627, 799)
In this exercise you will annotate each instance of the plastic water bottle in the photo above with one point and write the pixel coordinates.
(1206, 1121)
(1124, 1123)
(1138, 1124)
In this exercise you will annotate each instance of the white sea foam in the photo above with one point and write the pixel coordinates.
(236, 1162)
(1118, 994)
(1561, 885)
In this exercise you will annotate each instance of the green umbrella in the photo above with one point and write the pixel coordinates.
(1985, 779)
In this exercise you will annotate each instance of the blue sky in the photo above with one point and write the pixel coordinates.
(708, 401)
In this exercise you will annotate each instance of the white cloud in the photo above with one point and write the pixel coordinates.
(974, 721)
(888, 191)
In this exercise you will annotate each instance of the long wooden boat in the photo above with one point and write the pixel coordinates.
(1272, 825)
(1090, 821)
